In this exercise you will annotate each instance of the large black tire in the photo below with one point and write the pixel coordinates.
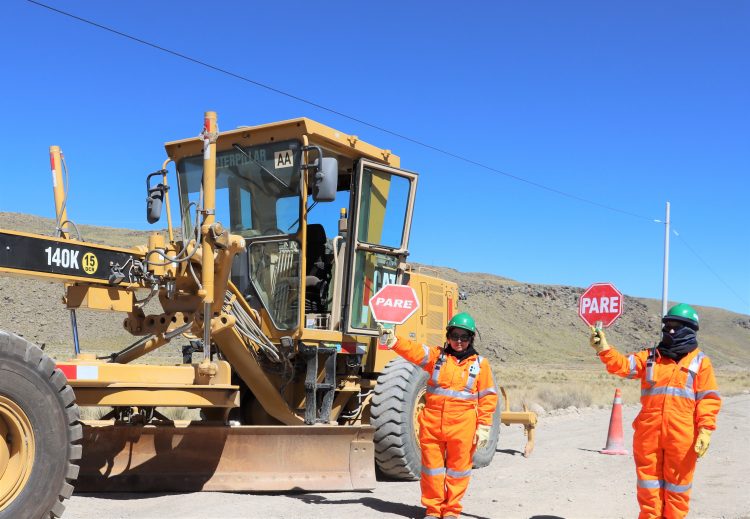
(39, 413)
(397, 398)
(483, 457)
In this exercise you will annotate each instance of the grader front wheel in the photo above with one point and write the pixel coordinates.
(39, 432)
(16, 450)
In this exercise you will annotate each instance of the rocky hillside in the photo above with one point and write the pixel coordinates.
(520, 323)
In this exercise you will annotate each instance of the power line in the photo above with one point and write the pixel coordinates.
(710, 269)
(341, 114)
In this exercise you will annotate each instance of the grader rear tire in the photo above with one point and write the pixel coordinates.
(483, 457)
(398, 397)
(39, 433)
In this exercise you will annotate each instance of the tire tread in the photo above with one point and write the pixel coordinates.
(20, 350)
(397, 452)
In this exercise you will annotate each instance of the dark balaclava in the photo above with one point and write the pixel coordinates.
(679, 343)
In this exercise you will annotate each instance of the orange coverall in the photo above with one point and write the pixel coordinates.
(677, 399)
(460, 396)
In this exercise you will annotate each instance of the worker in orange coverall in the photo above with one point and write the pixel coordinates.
(457, 417)
(679, 404)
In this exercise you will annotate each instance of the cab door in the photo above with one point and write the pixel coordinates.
(380, 222)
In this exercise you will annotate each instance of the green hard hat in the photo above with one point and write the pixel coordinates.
(464, 321)
(683, 313)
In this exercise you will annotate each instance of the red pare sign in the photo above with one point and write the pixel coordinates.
(394, 304)
(601, 302)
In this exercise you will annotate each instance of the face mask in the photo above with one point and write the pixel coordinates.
(677, 335)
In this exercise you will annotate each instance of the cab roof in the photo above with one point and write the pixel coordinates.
(318, 134)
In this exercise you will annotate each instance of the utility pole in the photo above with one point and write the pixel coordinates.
(665, 285)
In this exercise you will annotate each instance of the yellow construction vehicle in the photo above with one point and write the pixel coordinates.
(287, 230)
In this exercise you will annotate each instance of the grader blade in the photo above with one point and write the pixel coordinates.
(188, 457)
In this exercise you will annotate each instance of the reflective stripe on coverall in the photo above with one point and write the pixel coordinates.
(460, 395)
(677, 399)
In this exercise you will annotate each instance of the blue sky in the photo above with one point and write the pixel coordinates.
(624, 104)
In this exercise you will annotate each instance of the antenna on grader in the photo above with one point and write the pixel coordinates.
(60, 192)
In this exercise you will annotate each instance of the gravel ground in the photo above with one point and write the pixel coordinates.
(565, 477)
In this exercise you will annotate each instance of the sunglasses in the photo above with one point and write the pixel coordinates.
(464, 337)
(675, 325)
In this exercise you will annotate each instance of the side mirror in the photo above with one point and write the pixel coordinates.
(326, 180)
(154, 198)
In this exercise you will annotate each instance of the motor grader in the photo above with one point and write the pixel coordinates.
(287, 230)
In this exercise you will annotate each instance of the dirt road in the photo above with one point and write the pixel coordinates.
(564, 478)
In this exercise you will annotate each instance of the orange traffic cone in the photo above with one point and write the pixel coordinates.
(615, 444)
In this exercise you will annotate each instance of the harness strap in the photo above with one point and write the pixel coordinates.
(467, 392)
(436, 369)
(473, 373)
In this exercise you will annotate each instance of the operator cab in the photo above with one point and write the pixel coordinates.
(305, 196)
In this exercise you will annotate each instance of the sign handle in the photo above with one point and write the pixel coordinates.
(597, 330)
(382, 338)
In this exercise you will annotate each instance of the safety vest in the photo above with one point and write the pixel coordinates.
(474, 389)
(467, 393)
(670, 386)
(687, 388)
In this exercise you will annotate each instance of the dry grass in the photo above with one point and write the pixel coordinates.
(559, 388)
